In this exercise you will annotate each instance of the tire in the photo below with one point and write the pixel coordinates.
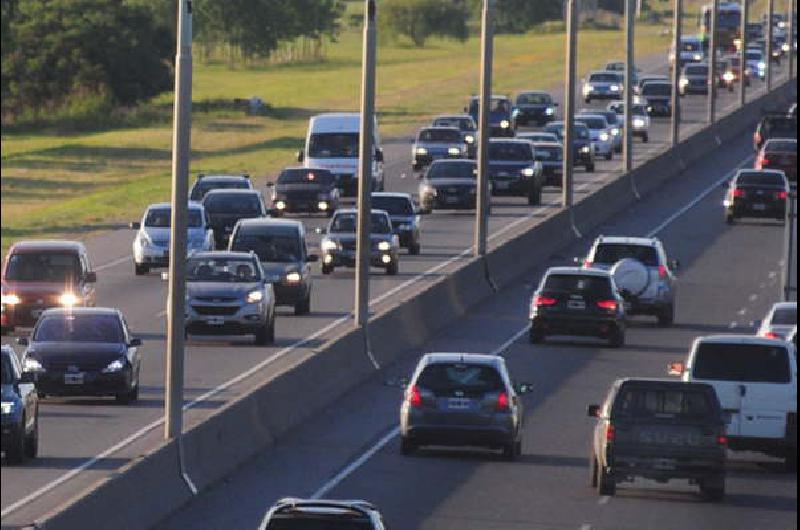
(730, 219)
(331, 211)
(303, 307)
(266, 335)
(393, 269)
(407, 447)
(535, 337)
(535, 197)
(667, 316)
(415, 249)
(713, 489)
(510, 451)
(593, 471)
(32, 441)
(590, 168)
(327, 269)
(587, 100)
(606, 485)
(140, 270)
(15, 453)
(617, 338)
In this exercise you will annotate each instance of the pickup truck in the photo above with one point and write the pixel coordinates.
(660, 430)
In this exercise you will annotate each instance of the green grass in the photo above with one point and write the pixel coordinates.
(57, 182)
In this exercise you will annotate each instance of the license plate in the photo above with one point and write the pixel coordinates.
(577, 305)
(458, 404)
(759, 207)
(501, 185)
(451, 200)
(215, 321)
(73, 379)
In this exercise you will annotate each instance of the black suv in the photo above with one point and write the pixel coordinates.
(661, 430)
(578, 302)
(206, 183)
(20, 419)
(297, 514)
(225, 208)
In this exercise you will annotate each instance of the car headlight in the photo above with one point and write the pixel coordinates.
(587, 89)
(32, 365)
(329, 245)
(68, 299)
(698, 56)
(638, 123)
(786, 47)
(684, 81)
(470, 139)
(586, 149)
(604, 137)
(528, 172)
(615, 88)
(505, 124)
(615, 131)
(10, 299)
(115, 366)
(293, 277)
(454, 151)
(728, 76)
(253, 297)
(384, 246)
(421, 151)
(8, 407)
(550, 111)
(280, 205)
(762, 65)
(428, 190)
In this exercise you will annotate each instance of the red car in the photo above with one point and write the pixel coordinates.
(39, 275)
(780, 154)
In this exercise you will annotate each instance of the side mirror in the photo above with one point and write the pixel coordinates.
(165, 276)
(593, 411)
(23, 341)
(135, 342)
(91, 277)
(400, 382)
(312, 258)
(301, 156)
(676, 369)
(523, 388)
(379, 155)
(135, 225)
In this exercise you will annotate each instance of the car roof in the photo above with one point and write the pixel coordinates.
(47, 245)
(304, 168)
(462, 358)
(774, 172)
(453, 117)
(455, 161)
(350, 211)
(494, 96)
(784, 305)
(270, 222)
(578, 271)
(533, 93)
(440, 128)
(81, 310)
(661, 381)
(605, 72)
(739, 339)
(230, 191)
(222, 254)
(393, 195)
(623, 240)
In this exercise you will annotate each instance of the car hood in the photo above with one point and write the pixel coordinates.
(76, 351)
(220, 289)
(438, 145)
(350, 238)
(33, 289)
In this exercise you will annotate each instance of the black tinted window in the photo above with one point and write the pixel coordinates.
(222, 270)
(43, 267)
(781, 146)
(346, 223)
(642, 402)
(534, 99)
(509, 151)
(572, 283)
(656, 89)
(548, 154)
(593, 123)
(472, 380)
(306, 176)
(609, 254)
(697, 70)
(79, 328)
(333, 145)
(749, 363)
(393, 205)
(439, 135)
(202, 187)
(238, 203)
(452, 170)
(785, 317)
(279, 246)
(463, 124)
(604, 78)
(162, 218)
(319, 522)
(760, 179)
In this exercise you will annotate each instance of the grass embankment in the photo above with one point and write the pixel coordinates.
(56, 182)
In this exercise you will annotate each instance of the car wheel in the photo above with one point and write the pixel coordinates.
(140, 270)
(407, 447)
(32, 441)
(415, 249)
(535, 197)
(327, 269)
(617, 338)
(393, 269)
(593, 471)
(606, 485)
(790, 460)
(128, 397)
(667, 316)
(587, 100)
(303, 307)
(713, 488)
(535, 337)
(15, 452)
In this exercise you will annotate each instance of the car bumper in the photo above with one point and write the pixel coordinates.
(152, 256)
(348, 259)
(657, 467)
(757, 210)
(307, 206)
(603, 148)
(575, 326)
(224, 320)
(449, 202)
(501, 186)
(459, 435)
(94, 384)
(650, 306)
(228, 327)
(603, 94)
(289, 294)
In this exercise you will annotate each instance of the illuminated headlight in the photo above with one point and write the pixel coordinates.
(10, 299)
(505, 124)
(469, 139)
(550, 111)
(638, 123)
(587, 89)
(384, 246)
(604, 137)
(32, 365)
(386, 259)
(68, 299)
(698, 57)
(615, 131)
(728, 76)
(254, 297)
(114, 366)
(786, 47)
(528, 172)
(323, 206)
(329, 245)
(421, 151)
(586, 149)
(684, 81)
(145, 240)
(293, 277)
(762, 65)
(454, 151)
(328, 259)
(280, 205)
(615, 88)
(428, 190)
(8, 407)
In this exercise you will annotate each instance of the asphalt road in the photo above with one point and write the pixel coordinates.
(730, 275)
(85, 440)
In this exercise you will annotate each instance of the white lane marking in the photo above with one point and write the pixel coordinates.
(605, 499)
(753, 297)
(586, 526)
(742, 312)
(114, 263)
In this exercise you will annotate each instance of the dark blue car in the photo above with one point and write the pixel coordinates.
(582, 150)
(500, 115)
(20, 418)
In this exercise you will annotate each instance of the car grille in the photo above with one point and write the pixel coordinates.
(215, 310)
(301, 196)
(83, 365)
(349, 245)
(163, 243)
(456, 190)
(217, 299)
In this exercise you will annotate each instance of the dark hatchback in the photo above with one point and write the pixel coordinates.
(582, 150)
(513, 169)
(405, 218)
(774, 126)
(206, 183)
(779, 154)
(84, 352)
(225, 208)
(661, 430)
(577, 302)
(305, 190)
(449, 184)
(20, 417)
(757, 194)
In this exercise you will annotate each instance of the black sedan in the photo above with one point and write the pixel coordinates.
(534, 107)
(449, 184)
(83, 351)
(225, 208)
(304, 190)
(20, 419)
(757, 194)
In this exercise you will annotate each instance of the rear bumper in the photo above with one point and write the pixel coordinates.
(748, 209)
(198, 327)
(582, 327)
(657, 467)
(510, 187)
(450, 202)
(455, 435)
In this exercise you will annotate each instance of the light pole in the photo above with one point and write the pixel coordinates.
(712, 64)
(569, 106)
(743, 54)
(770, 26)
(628, 89)
(482, 201)
(676, 73)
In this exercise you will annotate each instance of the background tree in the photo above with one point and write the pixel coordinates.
(421, 19)
(518, 16)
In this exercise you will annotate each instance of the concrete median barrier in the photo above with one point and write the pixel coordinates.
(246, 426)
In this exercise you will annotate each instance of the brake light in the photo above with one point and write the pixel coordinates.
(502, 402)
(763, 162)
(722, 440)
(414, 397)
(540, 301)
(771, 335)
(782, 195)
(611, 433)
(738, 193)
(608, 305)
(588, 264)
(662, 271)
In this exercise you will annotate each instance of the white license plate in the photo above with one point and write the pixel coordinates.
(458, 404)
(501, 185)
(759, 207)
(215, 321)
(577, 305)
(73, 379)
(451, 200)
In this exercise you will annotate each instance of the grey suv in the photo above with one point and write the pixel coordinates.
(227, 293)
(298, 514)
(340, 242)
(458, 399)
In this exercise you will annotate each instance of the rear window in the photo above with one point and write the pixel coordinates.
(79, 328)
(785, 317)
(781, 146)
(747, 363)
(439, 135)
(271, 246)
(236, 203)
(656, 89)
(572, 283)
(463, 124)
(604, 78)
(643, 402)
(447, 379)
(534, 99)
(760, 179)
(609, 254)
(393, 205)
(306, 176)
(202, 187)
(697, 70)
(43, 267)
(452, 170)
(314, 521)
(593, 123)
(547, 154)
(510, 151)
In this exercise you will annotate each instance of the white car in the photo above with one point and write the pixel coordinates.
(603, 85)
(152, 241)
(600, 132)
(756, 382)
(780, 321)
(640, 118)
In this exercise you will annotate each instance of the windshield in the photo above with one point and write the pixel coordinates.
(662, 403)
(747, 363)
(697, 70)
(781, 146)
(393, 205)
(572, 283)
(760, 179)
(507, 151)
(691, 46)
(333, 145)
(238, 203)
(609, 254)
(43, 267)
(593, 123)
(785, 317)
(79, 328)
(203, 186)
(440, 136)
(322, 177)
(534, 99)
(271, 246)
(463, 124)
(460, 380)
(7, 371)
(754, 56)
(161, 218)
(345, 223)
(223, 270)
(548, 153)
(604, 78)
(499, 105)
(780, 128)
(656, 89)
(452, 170)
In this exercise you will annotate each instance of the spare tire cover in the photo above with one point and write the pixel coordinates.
(631, 275)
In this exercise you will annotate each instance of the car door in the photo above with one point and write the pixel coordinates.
(764, 405)
(27, 393)
(132, 352)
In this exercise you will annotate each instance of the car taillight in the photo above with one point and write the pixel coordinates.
(502, 402)
(611, 433)
(782, 195)
(772, 335)
(662, 271)
(763, 162)
(539, 301)
(588, 264)
(722, 440)
(414, 397)
(608, 305)
(738, 193)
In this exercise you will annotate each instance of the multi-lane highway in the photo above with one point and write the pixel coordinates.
(352, 451)
(84, 440)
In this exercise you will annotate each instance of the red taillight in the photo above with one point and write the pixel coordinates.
(588, 264)
(608, 305)
(782, 195)
(540, 301)
(763, 162)
(738, 193)
(414, 397)
(611, 433)
(662, 271)
(772, 335)
(502, 402)
(722, 440)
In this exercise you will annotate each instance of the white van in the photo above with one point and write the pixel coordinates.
(333, 143)
(756, 382)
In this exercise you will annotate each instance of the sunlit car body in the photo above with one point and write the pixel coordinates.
(694, 79)
(449, 185)
(339, 246)
(755, 63)
(39, 275)
(657, 97)
(406, 223)
(779, 154)
(20, 415)
(780, 321)
(614, 122)
(304, 190)
(600, 133)
(692, 51)
(551, 156)
(603, 85)
(437, 143)
(757, 194)
(513, 169)
(640, 118)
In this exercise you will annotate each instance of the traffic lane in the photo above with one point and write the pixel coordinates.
(320, 444)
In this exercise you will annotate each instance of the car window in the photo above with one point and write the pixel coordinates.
(232, 203)
(548, 153)
(611, 253)
(439, 135)
(452, 170)
(271, 246)
(306, 176)
(690, 46)
(509, 151)
(7, 371)
(500, 105)
(597, 286)
(656, 89)
(785, 316)
(162, 218)
(534, 99)
(462, 124)
(202, 187)
(641, 402)
(79, 328)
(226, 270)
(593, 123)
(333, 145)
(454, 379)
(393, 205)
(697, 70)
(346, 223)
(781, 146)
(748, 363)
(753, 56)
(52, 267)
(311, 521)
(604, 78)
(760, 179)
